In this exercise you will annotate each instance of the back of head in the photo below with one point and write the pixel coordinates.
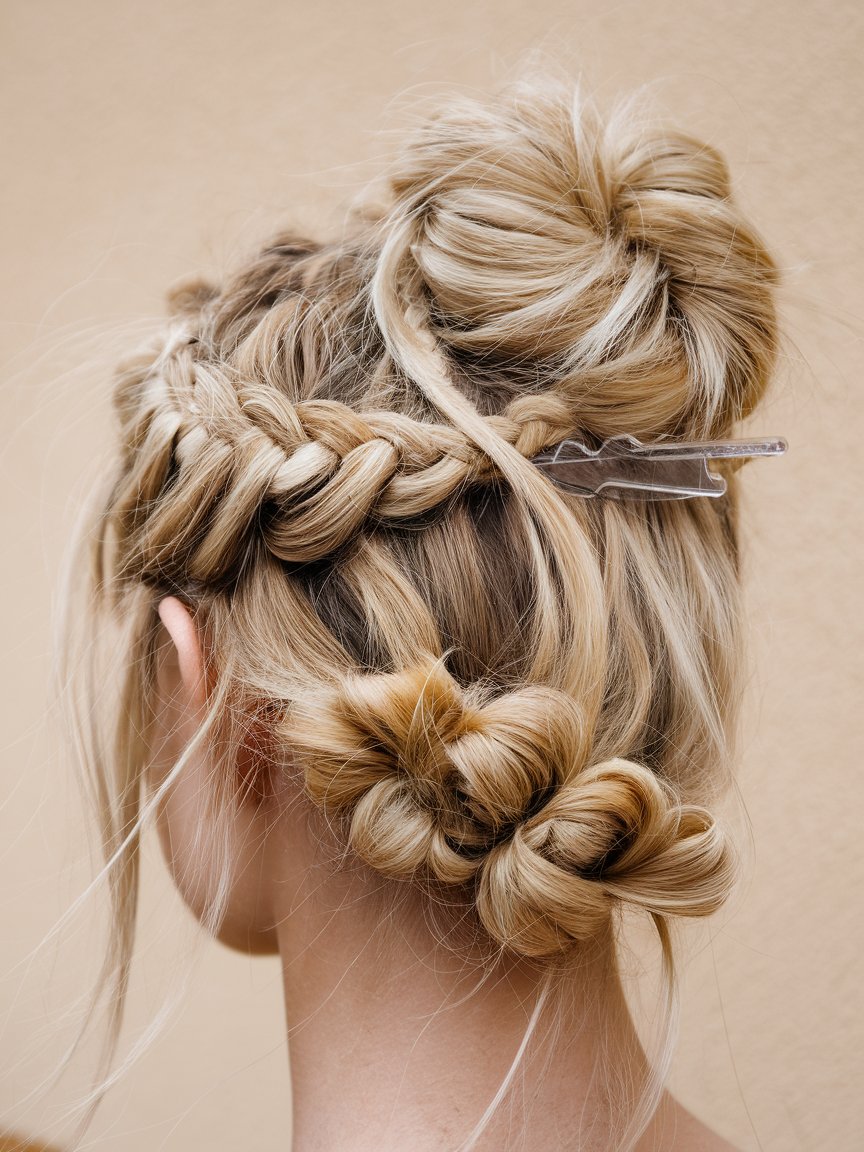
(485, 683)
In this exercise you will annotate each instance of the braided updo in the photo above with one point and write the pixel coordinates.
(486, 684)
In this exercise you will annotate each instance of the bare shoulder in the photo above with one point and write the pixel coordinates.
(675, 1129)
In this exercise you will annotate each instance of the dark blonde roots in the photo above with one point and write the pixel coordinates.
(485, 683)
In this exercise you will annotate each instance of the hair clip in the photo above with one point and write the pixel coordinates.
(623, 468)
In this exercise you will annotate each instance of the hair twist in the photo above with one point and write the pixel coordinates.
(615, 834)
(434, 781)
(430, 775)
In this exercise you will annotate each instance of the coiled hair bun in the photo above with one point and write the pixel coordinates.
(606, 253)
(435, 782)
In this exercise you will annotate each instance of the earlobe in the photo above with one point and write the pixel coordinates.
(180, 626)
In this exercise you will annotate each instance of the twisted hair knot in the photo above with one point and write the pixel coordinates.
(614, 834)
(434, 781)
(431, 776)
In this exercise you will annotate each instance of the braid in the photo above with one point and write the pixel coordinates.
(303, 477)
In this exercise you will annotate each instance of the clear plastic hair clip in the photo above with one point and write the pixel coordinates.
(623, 468)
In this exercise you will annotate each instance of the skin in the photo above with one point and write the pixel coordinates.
(389, 1048)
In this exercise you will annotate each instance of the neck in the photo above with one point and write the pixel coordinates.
(396, 1042)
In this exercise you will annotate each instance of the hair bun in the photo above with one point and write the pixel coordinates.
(435, 781)
(430, 775)
(614, 834)
(607, 252)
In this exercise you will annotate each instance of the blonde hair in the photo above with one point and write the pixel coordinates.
(487, 686)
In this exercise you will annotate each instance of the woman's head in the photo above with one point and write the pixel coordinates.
(487, 686)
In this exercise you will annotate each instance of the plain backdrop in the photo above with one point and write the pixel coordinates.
(141, 141)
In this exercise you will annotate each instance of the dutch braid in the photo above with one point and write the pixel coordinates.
(319, 468)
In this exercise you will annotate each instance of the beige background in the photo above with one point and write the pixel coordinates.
(143, 140)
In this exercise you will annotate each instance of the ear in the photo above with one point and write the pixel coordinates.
(180, 626)
(183, 821)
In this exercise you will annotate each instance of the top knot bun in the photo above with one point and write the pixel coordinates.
(607, 257)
